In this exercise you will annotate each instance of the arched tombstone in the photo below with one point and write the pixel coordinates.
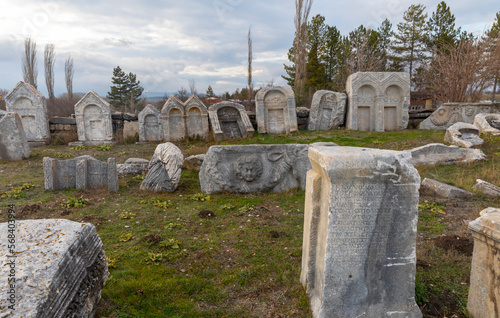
(197, 118)
(182, 120)
(30, 105)
(150, 124)
(229, 121)
(93, 120)
(327, 110)
(275, 110)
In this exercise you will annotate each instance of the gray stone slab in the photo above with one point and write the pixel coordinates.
(451, 113)
(60, 269)
(445, 190)
(229, 121)
(182, 120)
(432, 154)
(463, 135)
(13, 143)
(133, 166)
(275, 110)
(360, 229)
(62, 120)
(487, 188)
(150, 124)
(194, 162)
(254, 168)
(327, 110)
(164, 169)
(488, 124)
(130, 129)
(93, 119)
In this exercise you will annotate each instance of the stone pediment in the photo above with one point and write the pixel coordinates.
(24, 90)
(91, 98)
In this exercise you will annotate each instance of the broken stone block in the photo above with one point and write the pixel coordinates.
(445, 190)
(60, 269)
(327, 110)
(487, 188)
(433, 154)
(164, 169)
(194, 162)
(488, 124)
(451, 113)
(463, 135)
(132, 166)
(13, 142)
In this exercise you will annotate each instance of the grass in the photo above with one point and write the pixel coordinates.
(185, 254)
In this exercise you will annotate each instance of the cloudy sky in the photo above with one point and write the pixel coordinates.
(168, 43)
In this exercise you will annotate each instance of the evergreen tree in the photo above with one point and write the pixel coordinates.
(126, 90)
(210, 92)
(134, 91)
(493, 40)
(289, 69)
(315, 73)
(385, 36)
(332, 53)
(441, 28)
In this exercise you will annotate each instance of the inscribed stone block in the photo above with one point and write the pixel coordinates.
(229, 120)
(182, 120)
(93, 120)
(13, 143)
(327, 110)
(275, 110)
(150, 124)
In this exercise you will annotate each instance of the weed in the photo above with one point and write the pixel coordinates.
(434, 207)
(103, 147)
(159, 202)
(17, 192)
(126, 215)
(125, 237)
(170, 243)
(247, 207)
(154, 258)
(172, 225)
(62, 155)
(227, 207)
(79, 147)
(200, 197)
(75, 202)
(111, 262)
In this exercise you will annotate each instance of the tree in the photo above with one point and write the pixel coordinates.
(134, 91)
(290, 69)
(29, 62)
(210, 92)
(302, 10)
(493, 40)
(182, 94)
(441, 28)
(68, 75)
(49, 61)
(384, 42)
(126, 91)
(249, 81)
(192, 86)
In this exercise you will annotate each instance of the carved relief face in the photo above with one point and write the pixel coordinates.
(248, 168)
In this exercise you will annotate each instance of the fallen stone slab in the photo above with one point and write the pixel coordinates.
(60, 269)
(451, 113)
(463, 135)
(488, 124)
(13, 142)
(254, 168)
(445, 190)
(132, 166)
(194, 162)
(487, 188)
(432, 154)
(164, 169)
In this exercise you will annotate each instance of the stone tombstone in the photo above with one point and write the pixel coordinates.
(13, 143)
(150, 124)
(182, 120)
(254, 168)
(93, 120)
(378, 101)
(229, 121)
(451, 113)
(488, 124)
(164, 169)
(82, 172)
(327, 110)
(360, 229)
(275, 110)
(484, 290)
(60, 272)
(30, 105)
(463, 135)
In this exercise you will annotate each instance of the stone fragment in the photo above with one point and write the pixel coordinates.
(487, 188)
(229, 121)
(182, 120)
(360, 229)
(254, 168)
(463, 135)
(82, 172)
(13, 143)
(30, 105)
(62, 121)
(164, 169)
(132, 166)
(275, 110)
(488, 124)
(432, 154)
(327, 110)
(484, 290)
(445, 190)
(378, 101)
(150, 124)
(93, 120)
(60, 269)
(130, 130)
(451, 113)
(194, 162)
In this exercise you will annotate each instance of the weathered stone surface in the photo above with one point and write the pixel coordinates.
(30, 105)
(194, 162)
(327, 110)
(82, 172)
(93, 120)
(445, 190)
(229, 120)
(432, 154)
(488, 124)
(62, 120)
(60, 269)
(302, 112)
(484, 291)
(275, 110)
(360, 228)
(164, 169)
(132, 166)
(451, 113)
(463, 135)
(182, 120)
(150, 124)
(487, 188)
(254, 168)
(130, 129)
(378, 101)
(13, 143)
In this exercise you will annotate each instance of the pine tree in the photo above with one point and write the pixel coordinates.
(118, 91)
(315, 72)
(289, 69)
(441, 28)
(210, 92)
(493, 39)
(384, 42)
(134, 91)
(332, 51)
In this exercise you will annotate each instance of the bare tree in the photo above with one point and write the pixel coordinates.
(192, 86)
(302, 10)
(68, 75)
(29, 62)
(182, 94)
(250, 58)
(49, 61)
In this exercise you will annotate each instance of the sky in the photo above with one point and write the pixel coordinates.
(169, 43)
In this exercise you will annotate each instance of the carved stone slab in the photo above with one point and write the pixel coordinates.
(30, 105)
(378, 101)
(327, 110)
(164, 169)
(254, 168)
(13, 143)
(275, 110)
(445, 190)
(229, 121)
(451, 113)
(60, 269)
(132, 166)
(359, 246)
(463, 135)
(82, 172)
(432, 154)
(487, 188)
(93, 119)
(182, 120)
(488, 124)
(150, 124)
